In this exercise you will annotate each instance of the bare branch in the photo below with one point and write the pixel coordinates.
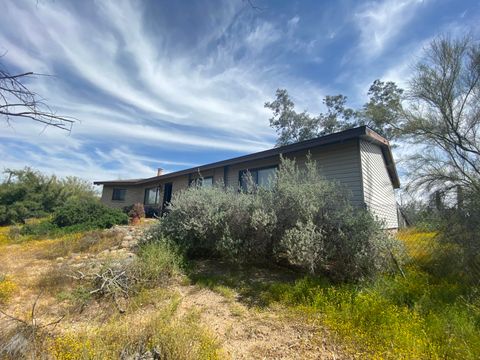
(18, 101)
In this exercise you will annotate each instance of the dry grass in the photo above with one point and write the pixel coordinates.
(55, 279)
(91, 242)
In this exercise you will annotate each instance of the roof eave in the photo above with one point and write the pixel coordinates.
(359, 132)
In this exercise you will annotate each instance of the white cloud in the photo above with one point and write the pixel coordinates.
(380, 22)
(130, 85)
(263, 35)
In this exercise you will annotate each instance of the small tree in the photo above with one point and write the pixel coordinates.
(444, 116)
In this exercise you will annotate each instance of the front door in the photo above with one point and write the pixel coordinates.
(167, 195)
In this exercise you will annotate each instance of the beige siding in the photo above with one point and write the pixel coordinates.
(377, 186)
(134, 195)
(234, 170)
(338, 162)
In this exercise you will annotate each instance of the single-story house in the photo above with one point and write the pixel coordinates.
(358, 158)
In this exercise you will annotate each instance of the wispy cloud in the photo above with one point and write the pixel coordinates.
(127, 81)
(380, 22)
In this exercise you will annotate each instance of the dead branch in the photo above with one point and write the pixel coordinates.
(18, 101)
(13, 317)
(33, 321)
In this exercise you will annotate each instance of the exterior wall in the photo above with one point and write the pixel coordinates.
(233, 170)
(377, 187)
(340, 163)
(134, 195)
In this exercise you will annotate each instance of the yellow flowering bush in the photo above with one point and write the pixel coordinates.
(416, 317)
(69, 347)
(7, 288)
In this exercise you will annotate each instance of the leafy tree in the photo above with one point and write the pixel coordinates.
(289, 124)
(444, 116)
(384, 110)
(27, 193)
(381, 113)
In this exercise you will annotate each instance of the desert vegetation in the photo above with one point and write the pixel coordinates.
(301, 220)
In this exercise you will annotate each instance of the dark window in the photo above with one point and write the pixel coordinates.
(119, 194)
(263, 177)
(206, 181)
(151, 196)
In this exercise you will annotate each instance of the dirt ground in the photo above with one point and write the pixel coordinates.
(245, 331)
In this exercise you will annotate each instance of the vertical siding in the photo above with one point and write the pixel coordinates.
(377, 187)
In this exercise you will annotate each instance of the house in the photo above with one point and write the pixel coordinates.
(358, 158)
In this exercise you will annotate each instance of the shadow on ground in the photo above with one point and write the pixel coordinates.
(250, 282)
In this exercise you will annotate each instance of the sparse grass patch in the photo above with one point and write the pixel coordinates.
(83, 242)
(152, 297)
(54, 279)
(7, 288)
(226, 292)
(78, 295)
(161, 333)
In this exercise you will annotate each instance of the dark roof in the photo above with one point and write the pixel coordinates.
(362, 132)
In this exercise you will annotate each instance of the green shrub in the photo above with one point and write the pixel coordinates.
(40, 228)
(302, 219)
(88, 213)
(29, 194)
(157, 262)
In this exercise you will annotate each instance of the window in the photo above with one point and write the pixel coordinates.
(151, 196)
(262, 177)
(119, 194)
(206, 181)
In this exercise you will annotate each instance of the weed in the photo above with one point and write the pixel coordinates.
(78, 296)
(7, 288)
(156, 263)
(160, 336)
(70, 347)
(419, 316)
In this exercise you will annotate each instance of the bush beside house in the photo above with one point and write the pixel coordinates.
(302, 219)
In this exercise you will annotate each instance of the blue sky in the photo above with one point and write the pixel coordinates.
(174, 84)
